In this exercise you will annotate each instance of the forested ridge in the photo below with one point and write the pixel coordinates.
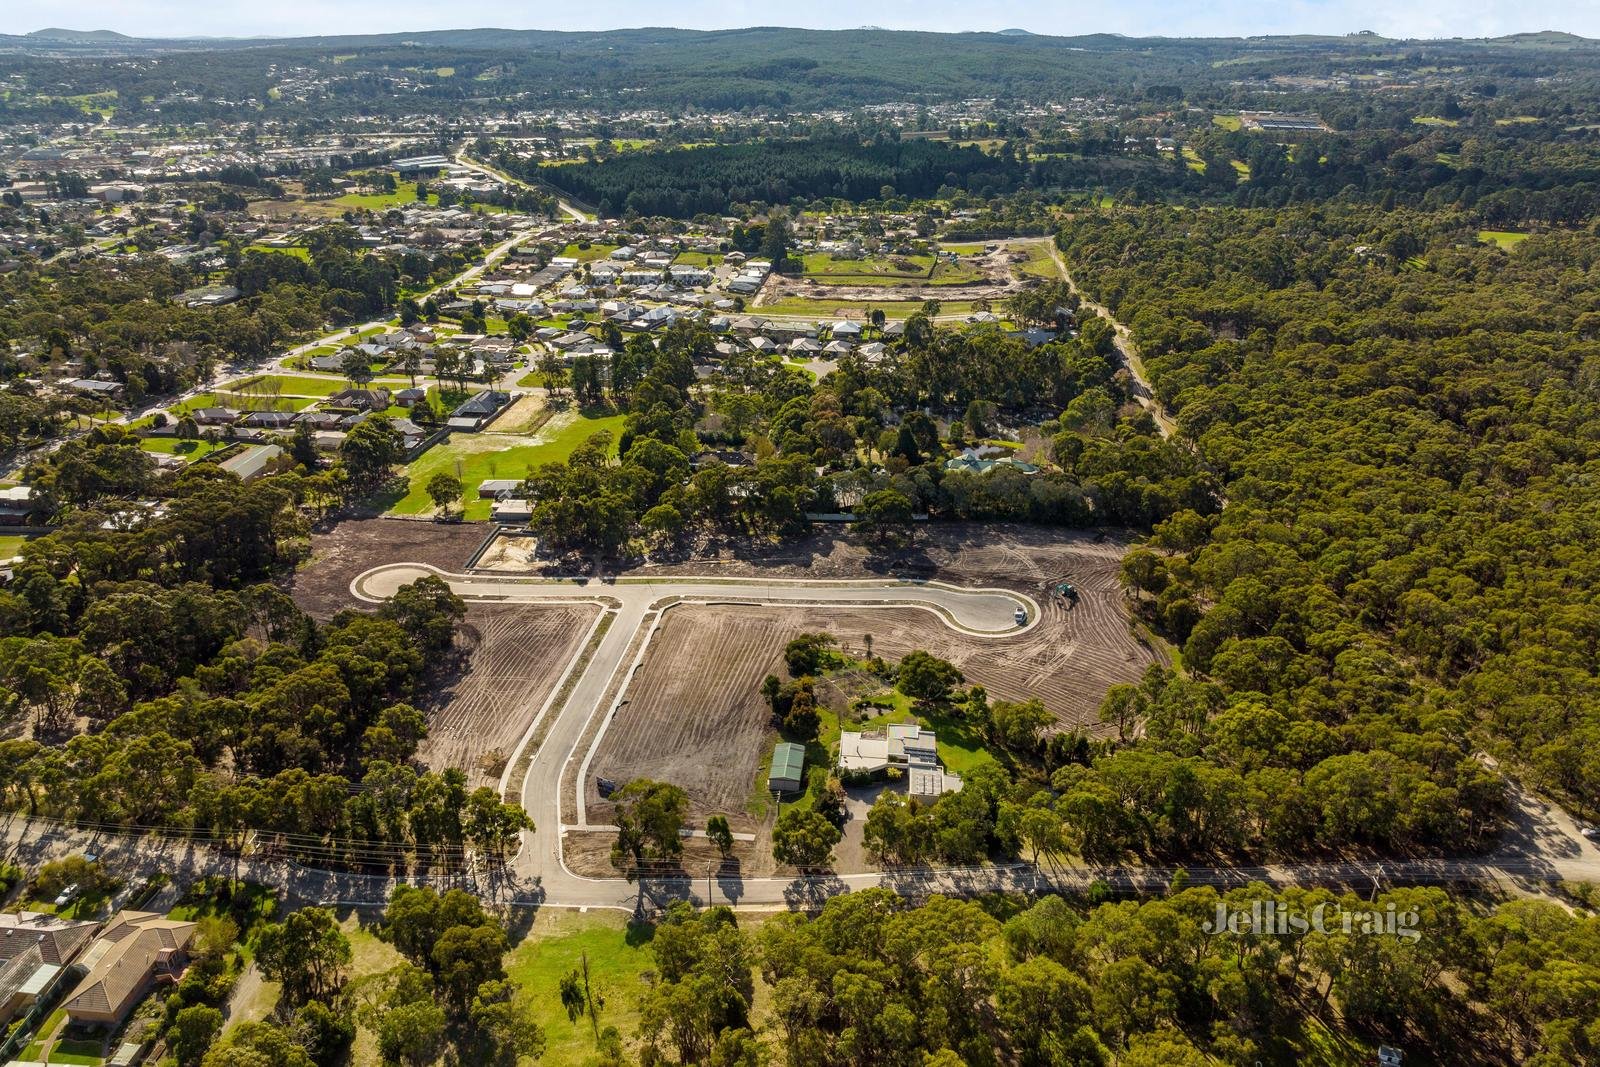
(1406, 425)
(709, 180)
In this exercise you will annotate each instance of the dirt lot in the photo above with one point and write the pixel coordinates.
(512, 658)
(322, 586)
(694, 716)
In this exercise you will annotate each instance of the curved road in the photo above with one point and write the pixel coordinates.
(1543, 845)
(597, 685)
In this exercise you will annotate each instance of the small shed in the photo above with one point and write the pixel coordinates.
(788, 768)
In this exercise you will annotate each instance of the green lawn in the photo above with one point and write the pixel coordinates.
(80, 1051)
(250, 907)
(405, 193)
(834, 307)
(619, 955)
(297, 251)
(11, 544)
(173, 446)
(1039, 264)
(1227, 122)
(1506, 239)
(965, 248)
(1434, 120)
(698, 259)
(886, 270)
(302, 385)
(588, 255)
(476, 457)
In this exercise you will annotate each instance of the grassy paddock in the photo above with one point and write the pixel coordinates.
(483, 456)
(1506, 239)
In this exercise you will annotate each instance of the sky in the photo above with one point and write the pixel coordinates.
(1173, 18)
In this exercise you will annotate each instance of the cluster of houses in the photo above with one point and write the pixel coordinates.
(104, 968)
(330, 420)
(474, 355)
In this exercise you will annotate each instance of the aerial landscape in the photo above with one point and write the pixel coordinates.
(774, 547)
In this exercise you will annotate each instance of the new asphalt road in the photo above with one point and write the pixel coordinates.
(1543, 845)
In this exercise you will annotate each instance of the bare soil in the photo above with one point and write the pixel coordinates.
(589, 853)
(322, 586)
(511, 659)
(695, 717)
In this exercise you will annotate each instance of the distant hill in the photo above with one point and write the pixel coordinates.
(1016, 33)
(56, 33)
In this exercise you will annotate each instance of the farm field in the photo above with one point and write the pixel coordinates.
(1038, 264)
(477, 457)
(512, 658)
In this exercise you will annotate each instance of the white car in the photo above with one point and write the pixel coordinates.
(1591, 832)
(68, 895)
(1021, 616)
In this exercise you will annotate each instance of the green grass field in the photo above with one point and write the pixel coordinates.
(590, 254)
(11, 544)
(834, 307)
(1506, 239)
(296, 251)
(405, 193)
(172, 446)
(962, 248)
(474, 458)
(1433, 120)
(698, 259)
(268, 385)
(822, 267)
(1039, 264)
(619, 956)
(1227, 122)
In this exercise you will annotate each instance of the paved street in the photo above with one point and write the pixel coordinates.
(1543, 846)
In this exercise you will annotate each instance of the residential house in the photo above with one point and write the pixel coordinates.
(410, 397)
(479, 410)
(498, 488)
(511, 510)
(35, 950)
(95, 387)
(411, 435)
(973, 461)
(907, 747)
(254, 462)
(360, 399)
(134, 951)
(333, 364)
(269, 420)
(213, 416)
